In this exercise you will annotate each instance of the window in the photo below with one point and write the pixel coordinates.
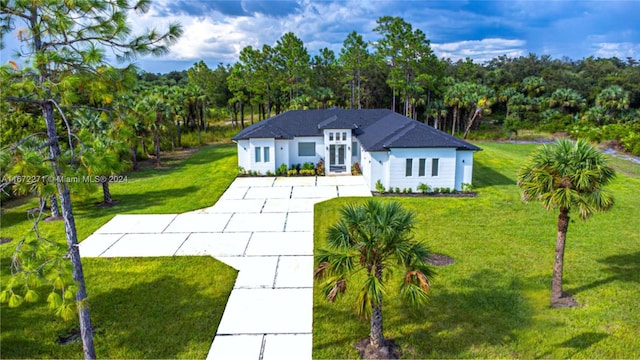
(434, 167)
(330, 136)
(266, 154)
(258, 154)
(409, 168)
(344, 136)
(306, 149)
(354, 148)
(421, 166)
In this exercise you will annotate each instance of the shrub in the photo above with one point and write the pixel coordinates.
(307, 172)
(467, 187)
(282, 170)
(292, 172)
(380, 187)
(409, 191)
(390, 190)
(424, 188)
(436, 190)
(308, 166)
(355, 169)
(295, 167)
(320, 167)
(269, 173)
(242, 171)
(397, 190)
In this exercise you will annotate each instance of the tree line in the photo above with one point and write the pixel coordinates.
(596, 98)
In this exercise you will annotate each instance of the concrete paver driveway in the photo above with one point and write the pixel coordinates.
(262, 227)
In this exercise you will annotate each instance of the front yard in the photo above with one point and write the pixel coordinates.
(140, 307)
(493, 302)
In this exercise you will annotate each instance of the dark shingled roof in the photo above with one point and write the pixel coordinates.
(376, 129)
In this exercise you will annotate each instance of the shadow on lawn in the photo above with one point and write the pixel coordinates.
(480, 311)
(484, 176)
(163, 319)
(623, 267)
(578, 343)
(135, 202)
(21, 342)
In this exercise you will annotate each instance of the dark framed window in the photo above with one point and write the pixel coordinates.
(409, 167)
(434, 166)
(422, 164)
(306, 149)
(354, 148)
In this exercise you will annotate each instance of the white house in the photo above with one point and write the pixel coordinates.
(398, 151)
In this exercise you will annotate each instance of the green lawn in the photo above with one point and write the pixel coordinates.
(142, 308)
(494, 301)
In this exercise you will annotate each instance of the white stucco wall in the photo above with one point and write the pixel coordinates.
(244, 160)
(375, 167)
(262, 166)
(446, 168)
(464, 168)
(282, 152)
(294, 158)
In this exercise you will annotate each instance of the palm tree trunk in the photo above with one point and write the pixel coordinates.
(86, 330)
(455, 118)
(376, 336)
(106, 192)
(556, 280)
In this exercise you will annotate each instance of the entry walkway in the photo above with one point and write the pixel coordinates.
(262, 227)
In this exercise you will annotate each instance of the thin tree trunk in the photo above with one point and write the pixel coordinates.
(359, 101)
(106, 192)
(86, 330)
(455, 116)
(250, 108)
(242, 114)
(198, 122)
(156, 140)
(556, 280)
(134, 156)
(393, 100)
(55, 209)
(475, 115)
(179, 133)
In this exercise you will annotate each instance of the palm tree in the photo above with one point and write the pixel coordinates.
(614, 99)
(505, 95)
(563, 176)
(375, 237)
(567, 99)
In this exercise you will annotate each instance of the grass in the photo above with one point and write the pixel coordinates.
(142, 308)
(494, 301)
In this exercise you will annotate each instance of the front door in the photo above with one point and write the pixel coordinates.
(337, 155)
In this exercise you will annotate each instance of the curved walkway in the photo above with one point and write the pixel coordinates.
(262, 227)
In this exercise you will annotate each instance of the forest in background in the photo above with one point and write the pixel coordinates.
(116, 116)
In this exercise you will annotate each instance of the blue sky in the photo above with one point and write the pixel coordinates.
(216, 31)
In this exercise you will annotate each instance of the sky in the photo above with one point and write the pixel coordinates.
(216, 31)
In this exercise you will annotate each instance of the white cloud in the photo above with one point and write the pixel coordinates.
(480, 50)
(618, 49)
